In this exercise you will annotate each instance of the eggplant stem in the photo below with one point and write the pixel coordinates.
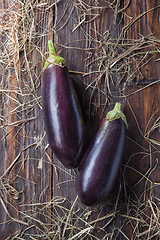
(117, 113)
(51, 47)
(53, 58)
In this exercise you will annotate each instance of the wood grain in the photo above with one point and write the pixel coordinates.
(37, 194)
(26, 173)
(141, 156)
(142, 20)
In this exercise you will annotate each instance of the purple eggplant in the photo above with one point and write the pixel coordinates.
(100, 164)
(64, 122)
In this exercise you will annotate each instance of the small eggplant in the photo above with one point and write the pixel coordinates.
(64, 122)
(100, 164)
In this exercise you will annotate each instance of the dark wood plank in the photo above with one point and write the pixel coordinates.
(142, 20)
(141, 169)
(26, 171)
(30, 172)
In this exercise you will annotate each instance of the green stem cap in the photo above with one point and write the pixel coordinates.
(116, 113)
(53, 58)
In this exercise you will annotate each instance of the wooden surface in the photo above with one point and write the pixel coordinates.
(38, 198)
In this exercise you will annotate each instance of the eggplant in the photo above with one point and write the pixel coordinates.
(100, 164)
(63, 117)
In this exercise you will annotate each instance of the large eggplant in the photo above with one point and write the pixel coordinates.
(64, 122)
(100, 164)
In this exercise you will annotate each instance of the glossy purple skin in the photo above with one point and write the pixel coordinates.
(63, 117)
(99, 167)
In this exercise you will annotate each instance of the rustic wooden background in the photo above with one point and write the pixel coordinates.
(38, 198)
